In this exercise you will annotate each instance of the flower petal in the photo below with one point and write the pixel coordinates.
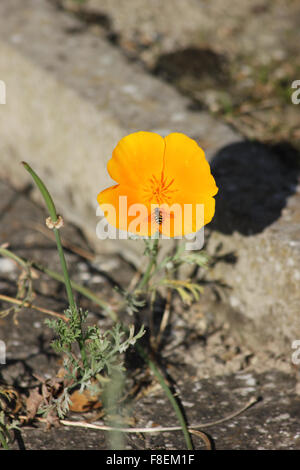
(123, 210)
(185, 161)
(136, 158)
(150, 169)
(188, 216)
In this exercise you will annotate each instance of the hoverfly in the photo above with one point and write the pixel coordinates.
(158, 215)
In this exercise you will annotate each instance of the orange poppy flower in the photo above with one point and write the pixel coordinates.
(163, 184)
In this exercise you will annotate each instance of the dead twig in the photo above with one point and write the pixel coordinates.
(67, 244)
(191, 428)
(207, 441)
(27, 304)
(165, 318)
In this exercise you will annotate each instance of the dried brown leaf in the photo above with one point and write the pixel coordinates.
(33, 402)
(84, 401)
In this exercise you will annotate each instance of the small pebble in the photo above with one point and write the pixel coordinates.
(7, 265)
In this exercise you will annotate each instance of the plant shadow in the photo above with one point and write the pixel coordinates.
(255, 181)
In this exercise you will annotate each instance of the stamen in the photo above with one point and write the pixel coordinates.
(159, 191)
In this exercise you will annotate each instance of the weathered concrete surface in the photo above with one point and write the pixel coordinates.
(272, 424)
(257, 232)
(71, 96)
(253, 28)
(234, 57)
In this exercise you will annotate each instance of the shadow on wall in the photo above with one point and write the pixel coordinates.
(254, 181)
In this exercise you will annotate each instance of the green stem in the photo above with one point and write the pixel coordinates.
(3, 441)
(54, 217)
(81, 289)
(58, 277)
(70, 292)
(65, 270)
(144, 282)
(153, 257)
(44, 191)
(169, 394)
(9, 254)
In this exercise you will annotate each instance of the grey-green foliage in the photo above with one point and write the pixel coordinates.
(181, 256)
(103, 351)
(187, 289)
(132, 303)
(5, 427)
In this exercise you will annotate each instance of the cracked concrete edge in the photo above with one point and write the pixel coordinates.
(53, 129)
(262, 297)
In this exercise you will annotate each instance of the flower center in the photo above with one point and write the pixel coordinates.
(159, 191)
